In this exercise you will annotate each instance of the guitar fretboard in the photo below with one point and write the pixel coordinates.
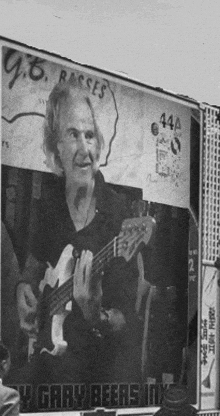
(60, 296)
(134, 231)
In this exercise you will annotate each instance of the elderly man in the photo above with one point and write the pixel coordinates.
(98, 338)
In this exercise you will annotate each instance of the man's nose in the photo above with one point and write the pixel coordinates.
(82, 144)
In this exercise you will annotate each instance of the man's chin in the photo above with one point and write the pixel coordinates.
(83, 176)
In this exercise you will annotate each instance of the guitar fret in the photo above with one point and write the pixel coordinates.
(114, 246)
(124, 245)
(62, 296)
(64, 293)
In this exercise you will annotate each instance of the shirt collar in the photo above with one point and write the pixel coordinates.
(102, 200)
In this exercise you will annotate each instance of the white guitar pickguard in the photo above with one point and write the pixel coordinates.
(61, 273)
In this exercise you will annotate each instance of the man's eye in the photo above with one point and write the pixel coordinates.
(73, 134)
(89, 134)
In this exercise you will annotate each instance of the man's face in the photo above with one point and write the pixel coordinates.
(78, 145)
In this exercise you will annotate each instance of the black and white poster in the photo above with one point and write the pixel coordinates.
(95, 236)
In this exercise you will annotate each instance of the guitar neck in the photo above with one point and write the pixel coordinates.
(134, 232)
(64, 293)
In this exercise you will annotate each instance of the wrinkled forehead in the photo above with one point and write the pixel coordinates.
(75, 106)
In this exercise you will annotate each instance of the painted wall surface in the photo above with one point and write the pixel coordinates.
(210, 338)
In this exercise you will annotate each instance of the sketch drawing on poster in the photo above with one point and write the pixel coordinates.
(155, 149)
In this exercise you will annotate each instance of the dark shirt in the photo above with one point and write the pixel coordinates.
(10, 275)
(113, 357)
(57, 228)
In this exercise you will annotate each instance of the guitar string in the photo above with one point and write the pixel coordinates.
(66, 291)
(95, 268)
(59, 289)
(97, 260)
(63, 291)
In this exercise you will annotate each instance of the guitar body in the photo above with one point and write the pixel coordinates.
(50, 337)
(57, 286)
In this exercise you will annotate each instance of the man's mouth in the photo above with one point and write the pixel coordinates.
(83, 164)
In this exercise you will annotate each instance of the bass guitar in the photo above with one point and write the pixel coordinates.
(57, 286)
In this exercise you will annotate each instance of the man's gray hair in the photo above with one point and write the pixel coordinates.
(57, 97)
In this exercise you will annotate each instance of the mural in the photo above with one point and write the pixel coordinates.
(95, 225)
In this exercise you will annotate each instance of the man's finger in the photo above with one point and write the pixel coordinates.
(83, 266)
(88, 267)
(76, 271)
(30, 299)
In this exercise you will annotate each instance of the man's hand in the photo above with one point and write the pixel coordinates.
(87, 289)
(27, 309)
